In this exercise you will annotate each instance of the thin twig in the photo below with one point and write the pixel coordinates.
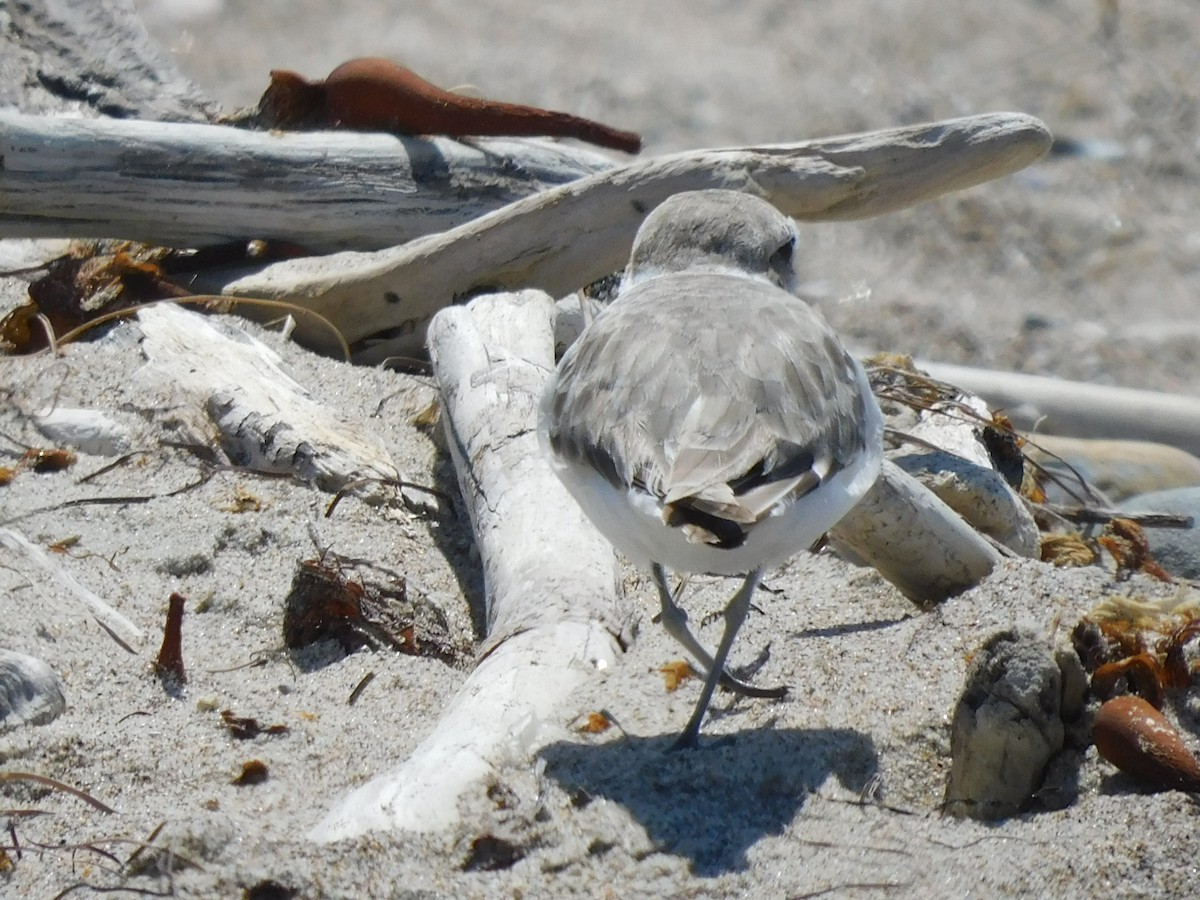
(199, 300)
(390, 482)
(58, 786)
(359, 688)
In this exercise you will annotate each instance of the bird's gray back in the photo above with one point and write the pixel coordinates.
(735, 373)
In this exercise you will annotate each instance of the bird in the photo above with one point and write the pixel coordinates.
(709, 420)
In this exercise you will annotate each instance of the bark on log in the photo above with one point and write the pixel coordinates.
(565, 238)
(553, 609)
(196, 185)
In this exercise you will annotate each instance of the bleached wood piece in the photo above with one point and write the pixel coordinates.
(1079, 409)
(267, 421)
(553, 610)
(112, 620)
(915, 540)
(191, 185)
(980, 495)
(88, 430)
(564, 238)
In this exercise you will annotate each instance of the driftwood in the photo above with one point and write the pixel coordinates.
(266, 421)
(562, 239)
(68, 586)
(191, 185)
(914, 540)
(1079, 409)
(553, 611)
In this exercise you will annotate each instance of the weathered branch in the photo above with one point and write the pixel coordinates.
(553, 611)
(196, 185)
(564, 238)
(1080, 409)
(113, 621)
(915, 540)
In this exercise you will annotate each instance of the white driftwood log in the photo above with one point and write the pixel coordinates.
(1079, 409)
(193, 185)
(915, 540)
(565, 238)
(266, 420)
(553, 610)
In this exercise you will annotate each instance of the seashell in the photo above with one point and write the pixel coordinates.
(86, 430)
(30, 691)
(1141, 742)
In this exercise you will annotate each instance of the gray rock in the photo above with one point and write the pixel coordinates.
(1118, 469)
(30, 691)
(1007, 726)
(1175, 549)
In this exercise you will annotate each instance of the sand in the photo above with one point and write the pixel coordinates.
(1085, 266)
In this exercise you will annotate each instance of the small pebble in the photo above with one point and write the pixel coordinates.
(1175, 549)
(1007, 726)
(1141, 742)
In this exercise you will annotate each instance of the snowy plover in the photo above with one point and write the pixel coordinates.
(709, 420)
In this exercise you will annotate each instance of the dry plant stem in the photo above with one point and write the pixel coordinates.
(58, 786)
(550, 578)
(1080, 409)
(914, 540)
(184, 185)
(169, 664)
(567, 237)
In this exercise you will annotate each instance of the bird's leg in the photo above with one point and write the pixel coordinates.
(735, 615)
(675, 621)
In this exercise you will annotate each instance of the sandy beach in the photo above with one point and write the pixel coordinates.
(1084, 266)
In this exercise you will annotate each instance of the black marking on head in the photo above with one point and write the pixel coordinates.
(391, 296)
(781, 259)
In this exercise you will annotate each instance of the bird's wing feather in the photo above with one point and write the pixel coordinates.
(728, 439)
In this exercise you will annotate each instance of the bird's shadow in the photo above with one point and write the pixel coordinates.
(710, 805)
